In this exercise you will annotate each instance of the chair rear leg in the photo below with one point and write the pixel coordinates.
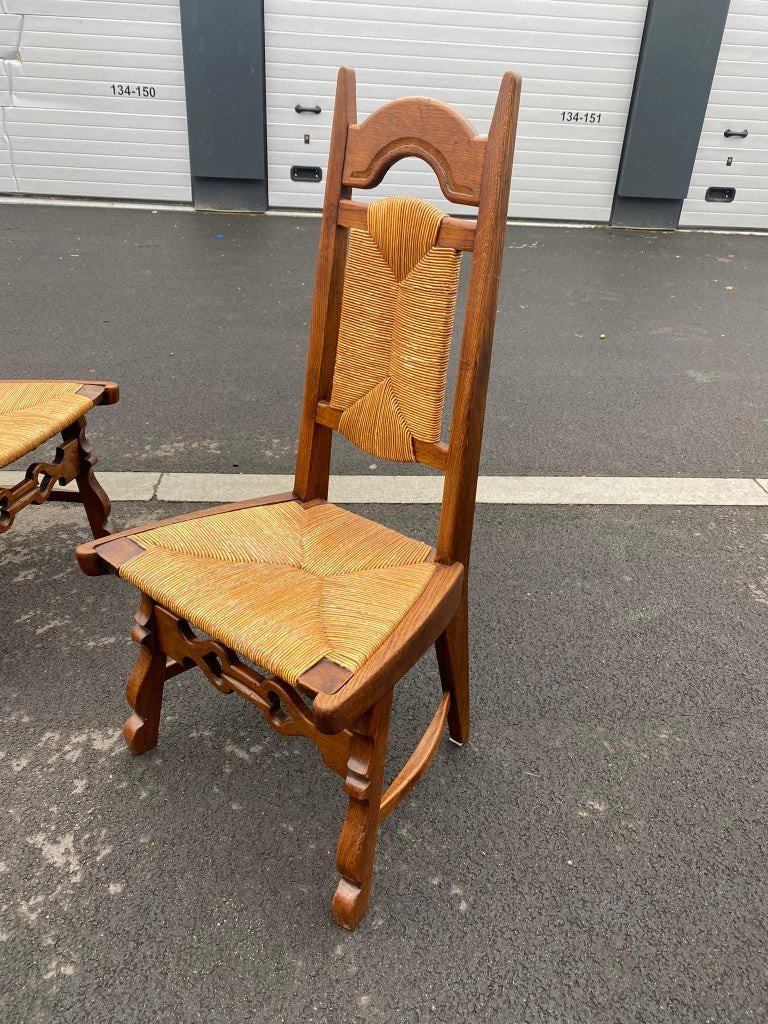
(452, 649)
(144, 691)
(357, 844)
(92, 494)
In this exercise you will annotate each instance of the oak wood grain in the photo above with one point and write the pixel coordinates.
(424, 128)
(417, 764)
(314, 457)
(324, 677)
(357, 843)
(457, 514)
(453, 234)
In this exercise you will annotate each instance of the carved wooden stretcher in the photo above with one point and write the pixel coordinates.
(34, 411)
(309, 612)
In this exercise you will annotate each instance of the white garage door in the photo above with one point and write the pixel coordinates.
(92, 99)
(738, 102)
(577, 61)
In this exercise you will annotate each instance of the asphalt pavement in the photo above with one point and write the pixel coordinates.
(202, 318)
(595, 854)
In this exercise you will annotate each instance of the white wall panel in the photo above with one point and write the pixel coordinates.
(65, 129)
(573, 56)
(738, 100)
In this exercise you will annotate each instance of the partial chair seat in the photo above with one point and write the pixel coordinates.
(286, 585)
(34, 411)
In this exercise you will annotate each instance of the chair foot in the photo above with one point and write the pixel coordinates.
(144, 690)
(452, 649)
(350, 904)
(139, 734)
(357, 843)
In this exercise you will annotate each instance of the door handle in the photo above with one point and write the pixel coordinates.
(306, 110)
(728, 133)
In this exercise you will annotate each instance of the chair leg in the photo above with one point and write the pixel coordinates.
(357, 844)
(452, 649)
(144, 691)
(92, 494)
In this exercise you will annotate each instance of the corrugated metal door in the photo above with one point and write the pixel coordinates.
(734, 167)
(577, 60)
(92, 99)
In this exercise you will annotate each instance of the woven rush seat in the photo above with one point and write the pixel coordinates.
(285, 585)
(34, 411)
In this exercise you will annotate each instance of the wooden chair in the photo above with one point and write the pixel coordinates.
(333, 607)
(34, 411)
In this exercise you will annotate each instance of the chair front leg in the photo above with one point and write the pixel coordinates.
(144, 691)
(92, 494)
(357, 844)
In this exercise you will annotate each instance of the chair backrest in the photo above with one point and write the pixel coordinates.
(385, 294)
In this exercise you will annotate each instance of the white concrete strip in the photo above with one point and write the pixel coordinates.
(492, 490)
(119, 486)
(387, 490)
(220, 486)
(348, 489)
(626, 490)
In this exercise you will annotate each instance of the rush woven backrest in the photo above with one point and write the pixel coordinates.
(385, 297)
(395, 330)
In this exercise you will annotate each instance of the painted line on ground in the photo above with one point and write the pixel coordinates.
(409, 490)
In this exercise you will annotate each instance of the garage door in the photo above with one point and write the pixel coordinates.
(92, 99)
(732, 160)
(577, 60)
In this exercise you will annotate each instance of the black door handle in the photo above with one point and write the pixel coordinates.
(728, 133)
(306, 110)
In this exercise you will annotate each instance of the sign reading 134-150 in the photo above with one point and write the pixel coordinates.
(145, 92)
(580, 117)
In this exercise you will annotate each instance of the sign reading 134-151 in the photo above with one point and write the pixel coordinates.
(580, 117)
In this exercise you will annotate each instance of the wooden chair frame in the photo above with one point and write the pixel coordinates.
(74, 461)
(347, 714)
